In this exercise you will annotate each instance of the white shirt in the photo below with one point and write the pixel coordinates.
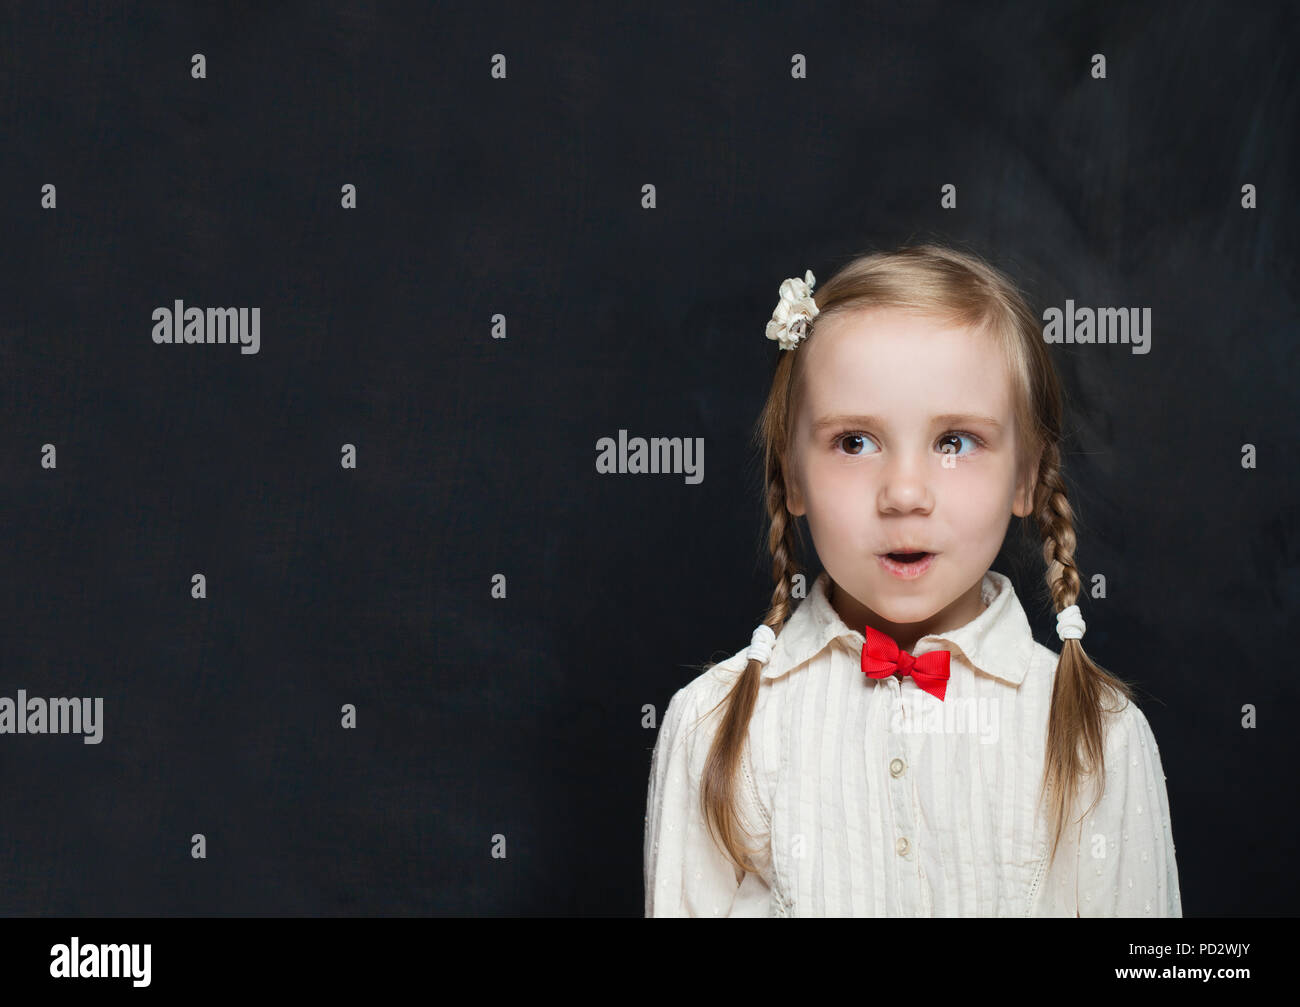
(864, 810)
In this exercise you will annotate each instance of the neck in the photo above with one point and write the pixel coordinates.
(958, 613)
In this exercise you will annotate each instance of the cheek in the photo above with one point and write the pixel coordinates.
(833, 490)
(978, 499)
(843, 510)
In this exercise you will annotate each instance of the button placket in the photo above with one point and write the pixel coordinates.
(900, 800)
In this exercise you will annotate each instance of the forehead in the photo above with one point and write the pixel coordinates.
(905, 362)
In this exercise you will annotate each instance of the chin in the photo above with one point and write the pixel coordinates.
(905, 615)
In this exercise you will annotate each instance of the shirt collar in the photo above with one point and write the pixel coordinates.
(997, 642)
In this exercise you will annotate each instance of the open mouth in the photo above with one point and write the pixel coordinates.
(907, 565)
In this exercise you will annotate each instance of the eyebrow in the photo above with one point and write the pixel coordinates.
(947, 419)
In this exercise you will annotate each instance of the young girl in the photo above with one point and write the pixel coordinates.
(900, 745)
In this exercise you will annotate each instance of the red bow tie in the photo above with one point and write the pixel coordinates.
(882, 658)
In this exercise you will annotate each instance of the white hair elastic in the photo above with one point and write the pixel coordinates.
(1070, 624)
(760, 647)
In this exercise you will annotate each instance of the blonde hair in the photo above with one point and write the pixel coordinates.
(961, 289)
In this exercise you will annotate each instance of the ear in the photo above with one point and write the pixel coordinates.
(1023, 505)
(794, 501)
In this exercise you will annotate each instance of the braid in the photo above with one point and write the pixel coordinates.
(784, 548)
(1075, 722)
(1055, 519)
(718, 783)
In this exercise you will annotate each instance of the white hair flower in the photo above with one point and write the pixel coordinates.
(794, 311)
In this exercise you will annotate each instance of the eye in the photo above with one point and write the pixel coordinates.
(946, 440)
(849, 437)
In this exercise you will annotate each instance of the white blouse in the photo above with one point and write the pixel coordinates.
(874, 798)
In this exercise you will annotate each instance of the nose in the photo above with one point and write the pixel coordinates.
(905, 485)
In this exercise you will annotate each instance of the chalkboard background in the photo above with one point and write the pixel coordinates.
(514, 724)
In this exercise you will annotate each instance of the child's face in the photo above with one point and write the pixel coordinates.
(871, 486)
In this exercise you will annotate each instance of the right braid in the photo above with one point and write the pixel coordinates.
(718, 783)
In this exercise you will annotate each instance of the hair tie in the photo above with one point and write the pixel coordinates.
(760, 647)
(794, 311)
(1070, 624)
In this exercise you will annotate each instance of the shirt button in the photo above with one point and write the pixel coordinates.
(897, 766)
(901, 846)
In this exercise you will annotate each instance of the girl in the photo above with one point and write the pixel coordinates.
(900, 745)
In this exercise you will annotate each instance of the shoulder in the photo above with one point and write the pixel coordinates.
(1045, 658)
(1040, 677)
(710, 686)
(1134, 794)
(1128, 730)
(690, 707)
(1124, 722)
